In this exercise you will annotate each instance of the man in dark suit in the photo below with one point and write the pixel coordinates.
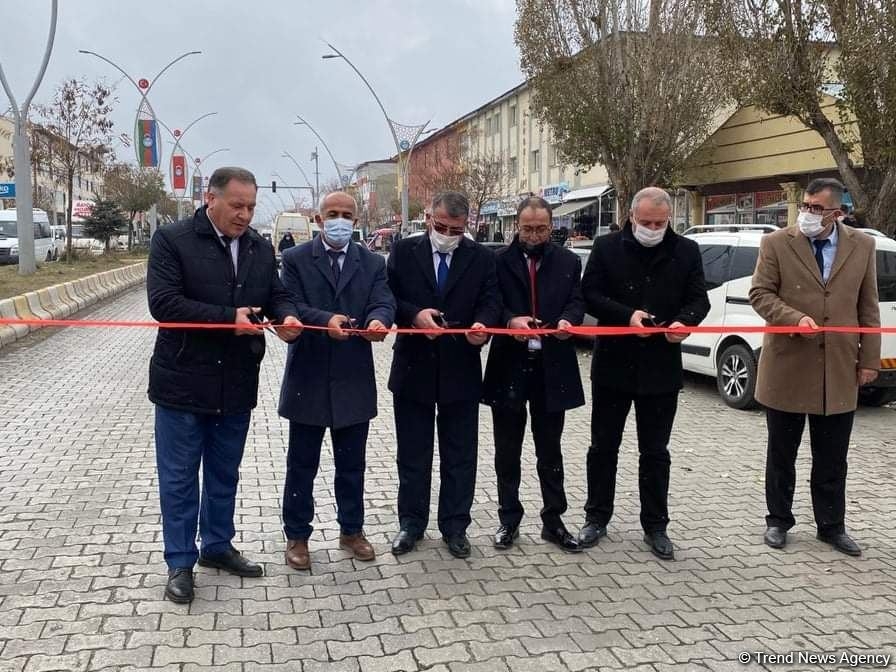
(329, 379)
(643, 275)
(816, 273)
(439, 279)
(211, 268)
(539, 284)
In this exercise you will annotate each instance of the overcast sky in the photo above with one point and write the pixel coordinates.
(260, 65)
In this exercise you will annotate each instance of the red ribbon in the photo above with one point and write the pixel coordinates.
(579, 331)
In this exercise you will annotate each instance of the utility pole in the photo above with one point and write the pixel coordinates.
(314, 158)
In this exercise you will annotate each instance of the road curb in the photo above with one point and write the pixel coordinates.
(59, 301)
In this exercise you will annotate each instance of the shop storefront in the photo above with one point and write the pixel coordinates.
(587, 212)
(746, 209)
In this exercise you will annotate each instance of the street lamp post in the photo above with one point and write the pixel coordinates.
(405, 136)
(22, 156)
(199, 161)
(315, 156)
(302, 122)
(314, 191)
(144, 92)
(178, 138)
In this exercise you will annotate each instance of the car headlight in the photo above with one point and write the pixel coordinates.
(13, 251)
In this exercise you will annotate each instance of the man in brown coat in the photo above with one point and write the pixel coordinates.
(819, 273)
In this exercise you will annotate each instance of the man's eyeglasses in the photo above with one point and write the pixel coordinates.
(446, 230)
(534, 230)
(815, 208)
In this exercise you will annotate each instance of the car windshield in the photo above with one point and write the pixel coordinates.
(8, 230)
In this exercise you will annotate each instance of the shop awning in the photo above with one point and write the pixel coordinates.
(572, 206)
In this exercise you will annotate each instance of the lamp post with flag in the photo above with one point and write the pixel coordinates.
(147, 138)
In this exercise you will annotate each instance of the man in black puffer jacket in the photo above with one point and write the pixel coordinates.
(210, 269)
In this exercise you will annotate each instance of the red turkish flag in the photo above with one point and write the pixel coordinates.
(178, 172)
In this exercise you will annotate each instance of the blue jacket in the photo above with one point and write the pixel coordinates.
(331, 383)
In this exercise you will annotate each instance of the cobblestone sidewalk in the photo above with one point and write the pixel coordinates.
(81, 569)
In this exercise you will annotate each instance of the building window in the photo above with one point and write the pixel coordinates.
(553, 154)
(513, 167)
(496, 128)
(512, 116)
(535, 161)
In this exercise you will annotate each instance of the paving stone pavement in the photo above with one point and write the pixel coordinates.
(82, 574)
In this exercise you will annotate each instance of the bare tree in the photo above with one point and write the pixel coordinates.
(78, 134)
(628, 84)
(133, 190)
(483, 179)
(829, 63)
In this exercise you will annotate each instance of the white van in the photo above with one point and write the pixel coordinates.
(729, 259)
(44, 249)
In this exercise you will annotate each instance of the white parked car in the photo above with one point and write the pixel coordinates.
(9, 237)
(729, 259)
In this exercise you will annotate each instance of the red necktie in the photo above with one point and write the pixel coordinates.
(533, 263)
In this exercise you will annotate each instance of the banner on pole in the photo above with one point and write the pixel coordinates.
(197, 187)
(179, 174)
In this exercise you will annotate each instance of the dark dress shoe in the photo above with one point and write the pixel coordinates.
(505, 535)
(405, 542)
(180, 585)
(591, 534)
(458, 546)
(775, 537)
(232, 562)
(841, 542)
(560, 536)
(660, 544)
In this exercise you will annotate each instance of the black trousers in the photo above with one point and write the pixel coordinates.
(829, 439)
(509, 426)
(458, 426)
(654, 415)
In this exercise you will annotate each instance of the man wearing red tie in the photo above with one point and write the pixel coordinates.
(539, 283)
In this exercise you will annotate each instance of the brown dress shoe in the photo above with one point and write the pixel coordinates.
(297, 554)
(357, 545)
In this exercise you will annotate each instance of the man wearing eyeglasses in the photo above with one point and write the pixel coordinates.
(441, 279)
(818, 273)
(539, 282)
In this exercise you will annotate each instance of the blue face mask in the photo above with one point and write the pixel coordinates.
(338, 232)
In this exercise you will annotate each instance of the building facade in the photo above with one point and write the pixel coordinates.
(48, 182)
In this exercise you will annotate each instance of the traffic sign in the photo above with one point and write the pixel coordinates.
(7, 189)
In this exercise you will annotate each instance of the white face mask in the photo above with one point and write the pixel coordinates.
(810, 224)
(443, 243)
(648, 237)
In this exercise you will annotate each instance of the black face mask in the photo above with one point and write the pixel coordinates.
(536, 251)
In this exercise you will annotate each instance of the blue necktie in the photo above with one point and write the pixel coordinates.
(819, 254)
(442, 275)
(334, 263)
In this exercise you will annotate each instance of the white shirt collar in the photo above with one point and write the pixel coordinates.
(329, 247)
(832, 237)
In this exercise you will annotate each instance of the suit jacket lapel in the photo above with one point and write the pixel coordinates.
(322, 261)
(460, 259)
(245, 246)
(349, 266)
(424, 254)
(846, 244)
(802, 247)
(517, 264)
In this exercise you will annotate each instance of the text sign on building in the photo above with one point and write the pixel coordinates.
(554, 193)
(7, 189)
(81, 209)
